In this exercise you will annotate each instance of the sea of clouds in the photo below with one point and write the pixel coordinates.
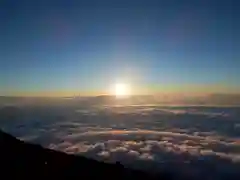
(200, 142)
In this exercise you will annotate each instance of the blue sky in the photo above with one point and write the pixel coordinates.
(87, 46)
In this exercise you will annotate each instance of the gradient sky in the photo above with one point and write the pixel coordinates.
(85, 47)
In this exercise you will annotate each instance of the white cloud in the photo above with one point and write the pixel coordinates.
(134, 153)
(104, 154)
(146, 156)
(144, 149)
(119, 149)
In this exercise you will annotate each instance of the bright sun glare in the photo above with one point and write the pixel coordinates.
(122, 90)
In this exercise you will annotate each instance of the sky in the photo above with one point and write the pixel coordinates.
(69, 47)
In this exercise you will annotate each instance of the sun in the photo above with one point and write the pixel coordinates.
(122, 90)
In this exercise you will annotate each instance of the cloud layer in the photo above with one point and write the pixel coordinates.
(200, 141)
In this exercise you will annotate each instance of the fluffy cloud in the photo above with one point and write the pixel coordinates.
(166, 142)
(104, 154)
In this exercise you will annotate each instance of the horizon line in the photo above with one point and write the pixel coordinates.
(97, 95)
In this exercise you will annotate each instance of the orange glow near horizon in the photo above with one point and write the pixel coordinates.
(124, 89)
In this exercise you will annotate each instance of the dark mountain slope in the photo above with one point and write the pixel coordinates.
(23, 160)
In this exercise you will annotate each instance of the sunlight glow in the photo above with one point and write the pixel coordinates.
(122, 90)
